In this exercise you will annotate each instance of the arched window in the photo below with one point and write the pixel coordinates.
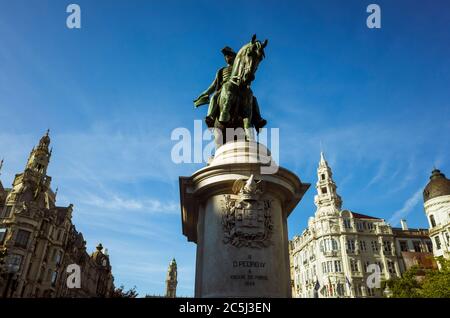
(335, 245)
(432, 221)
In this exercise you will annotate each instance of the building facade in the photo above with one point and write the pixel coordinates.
(38, 241)
(414, 247)
(436, 196)
(340, 252)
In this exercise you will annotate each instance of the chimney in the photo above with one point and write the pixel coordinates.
(404, 225)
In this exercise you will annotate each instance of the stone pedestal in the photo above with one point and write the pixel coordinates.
(236, 213)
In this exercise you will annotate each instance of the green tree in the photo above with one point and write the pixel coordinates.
(423, 283)
(437, 282)
(121, 293)
(406, 286)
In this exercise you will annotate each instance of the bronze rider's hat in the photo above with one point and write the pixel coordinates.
(228, 51)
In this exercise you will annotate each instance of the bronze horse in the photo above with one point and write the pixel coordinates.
(236, 98)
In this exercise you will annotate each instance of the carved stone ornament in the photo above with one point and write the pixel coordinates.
(247, 220)
(23, 209)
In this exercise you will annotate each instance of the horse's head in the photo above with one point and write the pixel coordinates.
(248, 59)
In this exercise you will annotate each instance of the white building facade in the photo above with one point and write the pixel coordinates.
(339, 252)
(436, 197)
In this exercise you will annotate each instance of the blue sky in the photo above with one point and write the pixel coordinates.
(113, 91)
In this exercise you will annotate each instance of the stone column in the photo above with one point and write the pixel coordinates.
(235, 210)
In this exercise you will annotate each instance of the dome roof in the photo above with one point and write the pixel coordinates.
(438, 186)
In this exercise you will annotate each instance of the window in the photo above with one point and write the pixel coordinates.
(374, 246)
(360, 226)
(354, 265)
(391, 267)
(417, 246)
(337, 266)
(54, 278)
(327, 267)
(432, 221)
(324, 190)
(324, 268)
(387, 246)
(371, 291)
(347, 224)
(362, 245)
(380, 266)
(323, 176)
(2, 235)
(429, 246)
(404, 246)
(366, 265)
(438, 242)
(350, 246)
(358, 290)
(328, 245)
(58, 257)
(340, 289)
(22, 238)
(7, 211)
(15, 260)
(370, 226)
(335, 246)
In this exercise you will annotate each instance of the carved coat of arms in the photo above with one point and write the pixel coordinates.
(247, 220)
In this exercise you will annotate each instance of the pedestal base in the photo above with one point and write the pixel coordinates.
(238, 218)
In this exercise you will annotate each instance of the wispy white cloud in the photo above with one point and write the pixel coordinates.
(117, 202)
(380, 173)
(407, 207)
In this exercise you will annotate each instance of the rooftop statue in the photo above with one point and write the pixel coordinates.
(233, 104)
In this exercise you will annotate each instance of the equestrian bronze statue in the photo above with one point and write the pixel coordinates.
(233, 104)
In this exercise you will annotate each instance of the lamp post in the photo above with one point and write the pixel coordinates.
(387, 292)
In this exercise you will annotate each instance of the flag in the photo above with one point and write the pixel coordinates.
(348, 282)
(349, 286)
(330, 286)
(323, 289)
(317, 286)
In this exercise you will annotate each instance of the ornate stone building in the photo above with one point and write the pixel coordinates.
(436, 196)
(336, 254)
(171, 280)
(38, 240)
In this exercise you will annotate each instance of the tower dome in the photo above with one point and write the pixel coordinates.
(438, 186)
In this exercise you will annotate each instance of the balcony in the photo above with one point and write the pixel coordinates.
(330, 253)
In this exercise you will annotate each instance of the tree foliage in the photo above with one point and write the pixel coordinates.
(423, 283)
(121, 293)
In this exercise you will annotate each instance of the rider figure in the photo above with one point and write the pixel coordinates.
(222, 76)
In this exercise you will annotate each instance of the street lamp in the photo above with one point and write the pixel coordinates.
(387, 292)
